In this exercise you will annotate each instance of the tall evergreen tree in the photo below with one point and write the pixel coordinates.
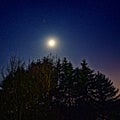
(83, 90)
(104, 94)
(63, 90)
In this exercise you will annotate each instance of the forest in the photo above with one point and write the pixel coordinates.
(53, 89)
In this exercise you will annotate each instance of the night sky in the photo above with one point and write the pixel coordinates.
(87, 29)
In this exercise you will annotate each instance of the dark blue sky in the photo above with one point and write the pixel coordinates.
(85, 28)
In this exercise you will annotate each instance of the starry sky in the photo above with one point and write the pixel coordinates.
(87, 29)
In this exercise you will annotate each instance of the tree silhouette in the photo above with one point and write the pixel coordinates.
(84, 78)
(25, 91)
(13, 90)
(62, 94)
(104, 94)
(52, 89)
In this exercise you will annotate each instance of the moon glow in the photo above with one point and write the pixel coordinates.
(51, 43)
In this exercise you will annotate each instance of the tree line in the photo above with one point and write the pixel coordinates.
(52, 89)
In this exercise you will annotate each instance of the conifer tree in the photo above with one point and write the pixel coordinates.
(104, 94)
(86, 78)
(83, 98)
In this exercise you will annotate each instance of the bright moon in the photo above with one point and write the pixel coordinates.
(51, 43)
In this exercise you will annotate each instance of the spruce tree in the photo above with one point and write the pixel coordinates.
(86, 78)
(104, 94)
